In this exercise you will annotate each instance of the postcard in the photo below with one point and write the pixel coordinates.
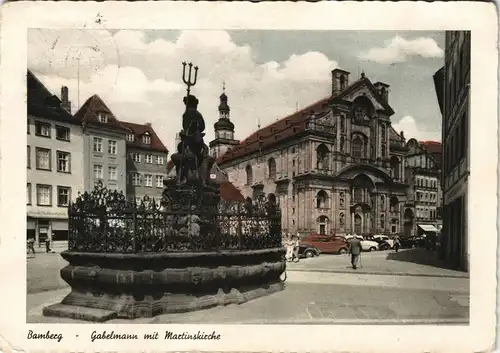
(248, 176)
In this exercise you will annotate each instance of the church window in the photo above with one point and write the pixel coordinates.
(321, 199)
(395, 167)
(342, 124)
(271, 164)
(382, 201)
(322, 157)
(382, 132)
(357, 147)
(384, 152)
(249, 175)
(358, 194)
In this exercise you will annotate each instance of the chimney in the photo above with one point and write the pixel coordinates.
(65, 103)
(148, 125)
(340, 81)
(383, 90)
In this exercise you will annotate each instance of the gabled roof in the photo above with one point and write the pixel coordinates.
(365, 81)
(293, 124)
(141, 129)
(42, 103)
(431, 146)
(94, 105)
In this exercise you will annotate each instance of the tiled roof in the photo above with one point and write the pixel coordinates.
(88, 114)
(229, 192)
(431, 146)
(139, 130)
(289, 125)
(42, 103)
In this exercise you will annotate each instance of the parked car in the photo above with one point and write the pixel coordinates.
(366, 244)
(327, 244)
(385, 238)
(306, 250)
(369, 245)
(383, 244)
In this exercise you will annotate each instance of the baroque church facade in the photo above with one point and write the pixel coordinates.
(336, 166)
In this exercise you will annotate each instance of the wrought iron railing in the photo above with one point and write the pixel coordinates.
(104, 221)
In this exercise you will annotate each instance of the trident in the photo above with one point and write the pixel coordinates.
(187, 79)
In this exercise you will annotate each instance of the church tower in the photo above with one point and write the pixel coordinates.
(224, 129)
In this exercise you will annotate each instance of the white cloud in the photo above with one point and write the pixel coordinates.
(141, 80)
(399, 50)
(409, 126)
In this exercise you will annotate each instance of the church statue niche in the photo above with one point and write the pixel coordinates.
(360, 114)
(342, 144)
(341, 219)
(342, 195)
(342, 124)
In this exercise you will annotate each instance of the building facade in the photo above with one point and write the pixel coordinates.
(55, 169)
(104, 147)
(456, 143)
(424, 192)
(337, 166)
(146, 162)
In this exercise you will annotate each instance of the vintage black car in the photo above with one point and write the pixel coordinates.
(306, 250)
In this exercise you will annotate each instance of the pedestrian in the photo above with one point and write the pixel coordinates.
(296, 248)
(31, 245)
(289, 247)
(47, 246)
(397, 244)
(355, 251)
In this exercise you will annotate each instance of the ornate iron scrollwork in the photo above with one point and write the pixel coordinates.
(104, 221)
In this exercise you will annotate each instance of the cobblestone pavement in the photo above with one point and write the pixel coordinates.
(416, 262)
(323, 298)
(43, 269)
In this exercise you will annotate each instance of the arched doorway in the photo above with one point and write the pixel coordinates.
(357, 224)
(322, 224)
(408, 222)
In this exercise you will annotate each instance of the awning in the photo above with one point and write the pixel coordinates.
(428, 228)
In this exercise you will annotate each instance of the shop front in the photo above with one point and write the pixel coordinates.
(43, 229)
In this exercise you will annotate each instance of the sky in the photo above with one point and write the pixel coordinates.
(267, 74)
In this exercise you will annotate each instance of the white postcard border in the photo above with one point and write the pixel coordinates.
(480, 18)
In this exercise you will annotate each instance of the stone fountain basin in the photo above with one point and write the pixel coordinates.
(120, 285)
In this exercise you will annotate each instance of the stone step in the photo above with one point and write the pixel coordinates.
(79, 313)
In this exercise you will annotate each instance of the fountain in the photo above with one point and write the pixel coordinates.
(191, 252)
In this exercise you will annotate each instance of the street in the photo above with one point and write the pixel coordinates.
(319, 290)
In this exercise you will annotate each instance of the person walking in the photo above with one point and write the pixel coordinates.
(31, 245)
(47, 246)
(296, 247)
(289, 247)
(355, 251)
(397, 243)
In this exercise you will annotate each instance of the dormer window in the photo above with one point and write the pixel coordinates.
(130, 137)
(103, 118)
(146, 139)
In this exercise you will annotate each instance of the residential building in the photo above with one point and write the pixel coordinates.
(146, 162)
(104, 147)
(453, 91)
(424, 194)
(55, 170)
(336, 166)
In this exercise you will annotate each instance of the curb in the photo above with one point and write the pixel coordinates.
(361, 272)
